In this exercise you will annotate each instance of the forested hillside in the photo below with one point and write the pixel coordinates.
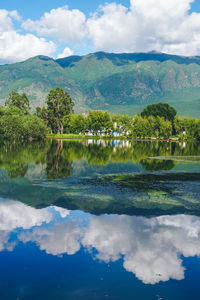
(122, 83)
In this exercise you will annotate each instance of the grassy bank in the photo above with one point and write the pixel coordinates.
(95, 137)
(83, 136)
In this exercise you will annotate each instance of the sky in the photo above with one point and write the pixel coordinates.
(59, 28)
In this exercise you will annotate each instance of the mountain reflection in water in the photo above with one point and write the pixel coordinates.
(151, 248)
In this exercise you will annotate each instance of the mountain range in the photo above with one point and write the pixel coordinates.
(123, 83)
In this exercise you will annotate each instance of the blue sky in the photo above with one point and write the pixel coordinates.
(195, 7)
(61, 28)
(34, 9)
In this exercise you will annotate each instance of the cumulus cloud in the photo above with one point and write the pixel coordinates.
(6, 19)
(61, 23)
(164, 26)
(14, 214)
(56, 239)
(150, 248)
(146, 25)
(17, 215)
(15, 46)
(113, 29)
(66, 52)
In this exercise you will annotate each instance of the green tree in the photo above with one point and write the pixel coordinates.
(47, 117)
(75, 123)
(59, 104)
(179, 126)
(34, 128)
(12, 127)
(141, 127)
(42, 113)
(160, 110)
(99, 121)
(164, 127)
(122, 123)
(19, 101)
(187, 127)
(15, 125)
(153, 126)
(192, 128)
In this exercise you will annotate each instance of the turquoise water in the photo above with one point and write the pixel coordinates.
(99, 220)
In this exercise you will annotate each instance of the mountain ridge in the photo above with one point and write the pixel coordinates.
(123, 82)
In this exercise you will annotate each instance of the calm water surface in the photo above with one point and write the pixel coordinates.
(99, 220)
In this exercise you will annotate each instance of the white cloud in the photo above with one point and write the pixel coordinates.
(66, 52)
(164, 26)
(15, 214)
(150, 248)
(15, 46)
(61, 23)
(146, 25)
(56, 239)
(62, 211)
(113, 29)
(4, 241)
(6, 19)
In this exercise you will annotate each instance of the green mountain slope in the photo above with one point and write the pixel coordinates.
(117, 82)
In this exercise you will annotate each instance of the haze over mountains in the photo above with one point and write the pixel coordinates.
(122, 83)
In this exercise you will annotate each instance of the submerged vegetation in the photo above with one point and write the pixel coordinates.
(101, 176)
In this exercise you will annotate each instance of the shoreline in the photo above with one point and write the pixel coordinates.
(117, 138)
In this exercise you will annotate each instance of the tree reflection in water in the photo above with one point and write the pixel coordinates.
(57, 157)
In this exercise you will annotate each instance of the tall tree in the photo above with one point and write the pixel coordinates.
(20, 101)
(59, 104)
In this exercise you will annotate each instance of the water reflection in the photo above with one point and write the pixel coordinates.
(15, 215)
(58, 165)
(151, 248)
(99, 176)
(56, 157)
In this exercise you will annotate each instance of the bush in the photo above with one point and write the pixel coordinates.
(15, 125)
(34, 128)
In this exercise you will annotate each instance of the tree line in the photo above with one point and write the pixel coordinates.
(156, 120)
(57, 117)
(102, 123)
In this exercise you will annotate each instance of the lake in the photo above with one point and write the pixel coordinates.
(97, 219)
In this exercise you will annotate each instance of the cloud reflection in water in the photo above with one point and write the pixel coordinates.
(151, 248)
